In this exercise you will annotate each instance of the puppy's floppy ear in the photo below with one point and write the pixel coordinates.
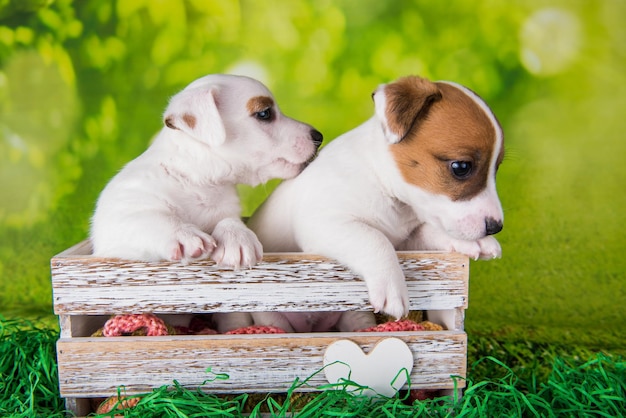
(195, 113)
(401, 105)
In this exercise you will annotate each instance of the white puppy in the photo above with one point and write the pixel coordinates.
(419, 175)
(177, 200)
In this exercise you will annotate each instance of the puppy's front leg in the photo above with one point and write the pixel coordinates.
(428, 238)
(272, 319)
(368, 253)
(237, 245)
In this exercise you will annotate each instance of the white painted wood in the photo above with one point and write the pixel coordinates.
(92, 367)
(452, 319)
(81, 325)
(296, 282)
(384, 370)
(79, 407)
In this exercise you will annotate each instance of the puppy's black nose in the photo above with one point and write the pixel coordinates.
(317, 137)
(492, 226)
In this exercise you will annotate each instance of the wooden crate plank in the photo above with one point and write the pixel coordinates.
(93, 367)
(87, 285)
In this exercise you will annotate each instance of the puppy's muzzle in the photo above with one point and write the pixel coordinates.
(492, 226)
(316, 137)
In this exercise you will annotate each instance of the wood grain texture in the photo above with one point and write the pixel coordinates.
(92, 367)
(87, 289)
(88, 285)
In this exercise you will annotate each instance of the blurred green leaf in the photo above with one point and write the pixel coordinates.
(10, 8)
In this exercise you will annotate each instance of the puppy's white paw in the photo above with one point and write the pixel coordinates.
(486, 248)
(190, 243)
(489, 248)
(237, 246)
(468, 248)
(390, 296)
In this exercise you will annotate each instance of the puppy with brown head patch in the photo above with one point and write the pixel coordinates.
(419, 175)
(177, 200)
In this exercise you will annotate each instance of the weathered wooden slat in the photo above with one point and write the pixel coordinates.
(92, 367)
(88, 285)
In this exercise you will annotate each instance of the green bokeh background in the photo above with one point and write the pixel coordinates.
(83, 85)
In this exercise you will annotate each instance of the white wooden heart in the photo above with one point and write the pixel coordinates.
(384, 370)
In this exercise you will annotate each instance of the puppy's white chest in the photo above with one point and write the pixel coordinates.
(396, 220)
(206, 206)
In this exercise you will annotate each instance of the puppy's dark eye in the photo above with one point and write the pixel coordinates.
(265, 114)
(461, 169)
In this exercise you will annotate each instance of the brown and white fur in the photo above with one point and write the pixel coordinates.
(419, 175)
(177, 200)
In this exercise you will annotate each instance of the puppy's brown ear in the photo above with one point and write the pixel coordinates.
(401, 105)
(195, 113)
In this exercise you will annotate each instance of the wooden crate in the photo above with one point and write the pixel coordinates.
(87, 290)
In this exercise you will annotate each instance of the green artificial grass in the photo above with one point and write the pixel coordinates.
(28, 372)
(505, 379)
